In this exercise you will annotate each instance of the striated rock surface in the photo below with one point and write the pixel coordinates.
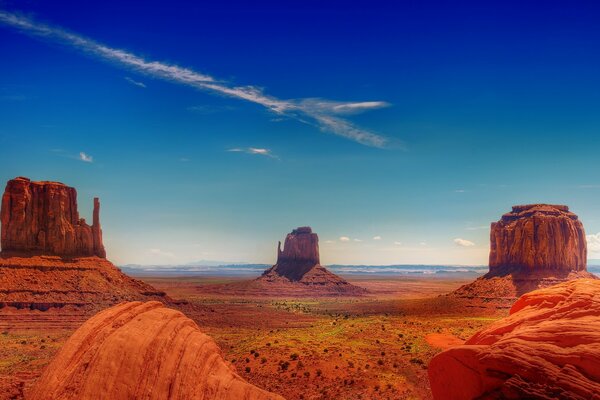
(142, 351)
(42, 218)
(52, 259)
(87, 284)
(538, 236)
(548, 348)
(532, 247)
(298, 268)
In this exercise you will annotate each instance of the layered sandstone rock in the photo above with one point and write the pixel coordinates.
(548, 348)
(298, 270)
(532, 247)
(142, 351)
(52, 259)
(538, 236)
(42, 218)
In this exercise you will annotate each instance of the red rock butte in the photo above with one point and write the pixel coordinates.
(534, 246)
(548, 348)
(538, 236)
(142, 351)
(298, 269)
(42, 218)
(52, 259)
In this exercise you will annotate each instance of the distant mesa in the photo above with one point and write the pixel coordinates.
(298, 266)
(546, 349)
(51, 258)
(42, 218)
(533, 246)
(142, 351)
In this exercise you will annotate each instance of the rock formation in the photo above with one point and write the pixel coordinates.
(42, 218)
(142, 351)
(51, 258)
(532, 247)
(538, 236)
(548, 348)
(298, 267)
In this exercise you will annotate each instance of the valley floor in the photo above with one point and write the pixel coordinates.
(371, 347)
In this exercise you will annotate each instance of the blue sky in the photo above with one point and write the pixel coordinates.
(210, 131)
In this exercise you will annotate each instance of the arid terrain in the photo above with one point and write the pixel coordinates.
(369, 347)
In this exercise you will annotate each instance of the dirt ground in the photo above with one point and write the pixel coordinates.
(370, 347)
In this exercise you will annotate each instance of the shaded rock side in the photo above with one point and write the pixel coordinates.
(42, 218)
(538, 236)
(548, 348)
(142, 351)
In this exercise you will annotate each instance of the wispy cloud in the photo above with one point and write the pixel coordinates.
(323, 114)
(376, 237)
(161, 253)
(253, 150)
(358, 240)
(85, 157)
(463, 242)
(593, 242)
(344, 239)
(398, 243)
(136, 83)
(206, 109)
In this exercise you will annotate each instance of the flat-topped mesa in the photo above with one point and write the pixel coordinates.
(538, 237)
(41, 218)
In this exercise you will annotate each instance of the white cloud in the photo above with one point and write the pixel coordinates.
(376, 237)
(329, 241)
(136, 83)
(459, 191)
(477, 228)
(253, 150)
(398, 243)
(463, 242)
(357, 240)
(160, 253)
(344, 239)
(320, 113)
(423, 244)
(593, 242)
(86, 157)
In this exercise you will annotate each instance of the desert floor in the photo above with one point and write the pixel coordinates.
(372, 347)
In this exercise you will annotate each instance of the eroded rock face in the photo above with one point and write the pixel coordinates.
(300, 253)
(298, 267)
(142, 351)
(548, 348)
(538, 236)
(42, 218)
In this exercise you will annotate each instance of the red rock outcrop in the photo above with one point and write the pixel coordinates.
(548, 348)
(52, 259)
(532, 247)
(538, 236)
(142, 351)
(42, 218)
(298, 270)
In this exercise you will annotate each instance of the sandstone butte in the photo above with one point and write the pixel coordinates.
(142, 351)
(298, 268)
(534, 246)
(51, 258)
(548, 348)
(42, 218)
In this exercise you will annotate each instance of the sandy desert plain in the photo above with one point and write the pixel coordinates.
(375, 346)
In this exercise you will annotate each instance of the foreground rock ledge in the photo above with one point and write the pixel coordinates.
(142, 351)
(548, 348)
